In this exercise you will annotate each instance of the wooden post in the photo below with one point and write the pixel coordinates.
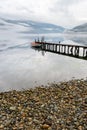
(75, 51)
(86, 52)
(83, 52)
(68, 49)
(71, 50)
(44, 46)
(64, 49)
(53, 47)
(56, 47)
(59, 48)
(47, 46)
(78, 51)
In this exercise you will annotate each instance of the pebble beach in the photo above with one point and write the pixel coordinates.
(57, 106)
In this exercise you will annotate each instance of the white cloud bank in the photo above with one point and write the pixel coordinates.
(67, 13)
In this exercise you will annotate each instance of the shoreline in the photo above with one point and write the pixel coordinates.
(54, 107)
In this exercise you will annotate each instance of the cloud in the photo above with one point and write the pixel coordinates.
(80, 11)
(62, 12)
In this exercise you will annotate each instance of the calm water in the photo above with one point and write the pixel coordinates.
(22, 67)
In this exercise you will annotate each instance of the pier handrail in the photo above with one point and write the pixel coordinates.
(70, 45)
(65, 49)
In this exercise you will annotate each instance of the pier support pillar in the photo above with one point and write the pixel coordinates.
(71, 50)
(56, 48)
(53, 48)
(59, 48)
(83, 52)
(68, 49)
(76, 51)
(64, 49)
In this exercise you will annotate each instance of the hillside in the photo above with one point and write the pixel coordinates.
(32, 26)
(80, 28)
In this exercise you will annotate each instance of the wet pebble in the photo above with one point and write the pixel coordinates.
(60, 106)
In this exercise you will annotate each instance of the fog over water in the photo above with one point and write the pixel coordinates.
(22, 67)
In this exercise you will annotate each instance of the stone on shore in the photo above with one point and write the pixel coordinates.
(61, 106)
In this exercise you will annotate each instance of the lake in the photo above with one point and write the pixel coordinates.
(22, 67)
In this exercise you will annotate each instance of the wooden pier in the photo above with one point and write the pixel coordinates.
(65, 49)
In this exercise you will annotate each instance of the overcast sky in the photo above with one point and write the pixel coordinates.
(67, 13)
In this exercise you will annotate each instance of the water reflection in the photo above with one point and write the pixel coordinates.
(23, 67)
(79, 39)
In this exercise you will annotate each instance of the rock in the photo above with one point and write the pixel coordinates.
(80, 128)
(49, 128)
(47, 108)
(30, 119)
(13, 108)
(42, 105)
(1, 126)
(36, 122)
(45, 126)
(19, 108)
(85, 100)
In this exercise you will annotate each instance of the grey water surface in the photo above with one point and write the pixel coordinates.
(22, 67)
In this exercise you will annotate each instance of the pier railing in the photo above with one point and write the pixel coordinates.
(65, 49)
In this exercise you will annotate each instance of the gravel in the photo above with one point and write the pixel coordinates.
(59, 106)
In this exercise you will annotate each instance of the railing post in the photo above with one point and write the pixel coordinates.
(83, 52)
(68, 49)
(86, 52)
(47, 46)
(64, 49)
(73, 50)
(44, 46)
(53, 47)
(76, 51)
(56, 47)
(59, 48)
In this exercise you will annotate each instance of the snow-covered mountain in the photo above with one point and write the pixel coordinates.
(30, 26)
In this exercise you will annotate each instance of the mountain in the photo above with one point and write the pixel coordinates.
(81, 28)
(32, 26)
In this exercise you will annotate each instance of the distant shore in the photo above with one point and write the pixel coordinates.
(61, 106)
